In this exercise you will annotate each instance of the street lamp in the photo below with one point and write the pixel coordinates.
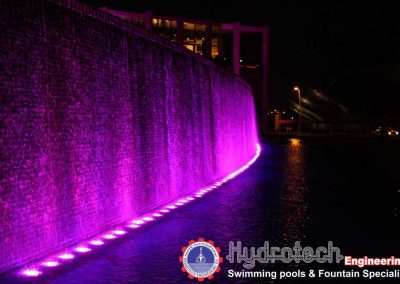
(297, 89)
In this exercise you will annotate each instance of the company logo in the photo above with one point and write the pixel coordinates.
(201, 259)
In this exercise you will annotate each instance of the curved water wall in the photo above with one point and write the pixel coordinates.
(101, 122)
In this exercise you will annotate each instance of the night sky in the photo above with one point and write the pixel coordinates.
(349, 51)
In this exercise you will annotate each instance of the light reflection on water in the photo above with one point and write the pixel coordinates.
(275, 201)
(295, 194)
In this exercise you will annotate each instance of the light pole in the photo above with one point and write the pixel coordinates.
(297, 89)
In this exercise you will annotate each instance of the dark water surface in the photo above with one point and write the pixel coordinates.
(306, 191)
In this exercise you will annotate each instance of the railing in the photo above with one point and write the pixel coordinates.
(88, 11)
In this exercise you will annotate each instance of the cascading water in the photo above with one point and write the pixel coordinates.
(100, 123)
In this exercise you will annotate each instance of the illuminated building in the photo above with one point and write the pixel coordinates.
(204, 38)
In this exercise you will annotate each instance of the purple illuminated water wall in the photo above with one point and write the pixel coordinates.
(101, 122)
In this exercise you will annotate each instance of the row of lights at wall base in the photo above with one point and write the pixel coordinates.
(71, 254)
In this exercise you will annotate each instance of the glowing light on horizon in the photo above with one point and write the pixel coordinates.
(295, 142)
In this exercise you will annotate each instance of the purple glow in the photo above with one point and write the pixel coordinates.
(119, 232)
(104, 148)
(51, 263)
(66, 256)
(97, 242)
(148, 219)
(109, 236)
(136, 222)
(31, 272)
(82, 249)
